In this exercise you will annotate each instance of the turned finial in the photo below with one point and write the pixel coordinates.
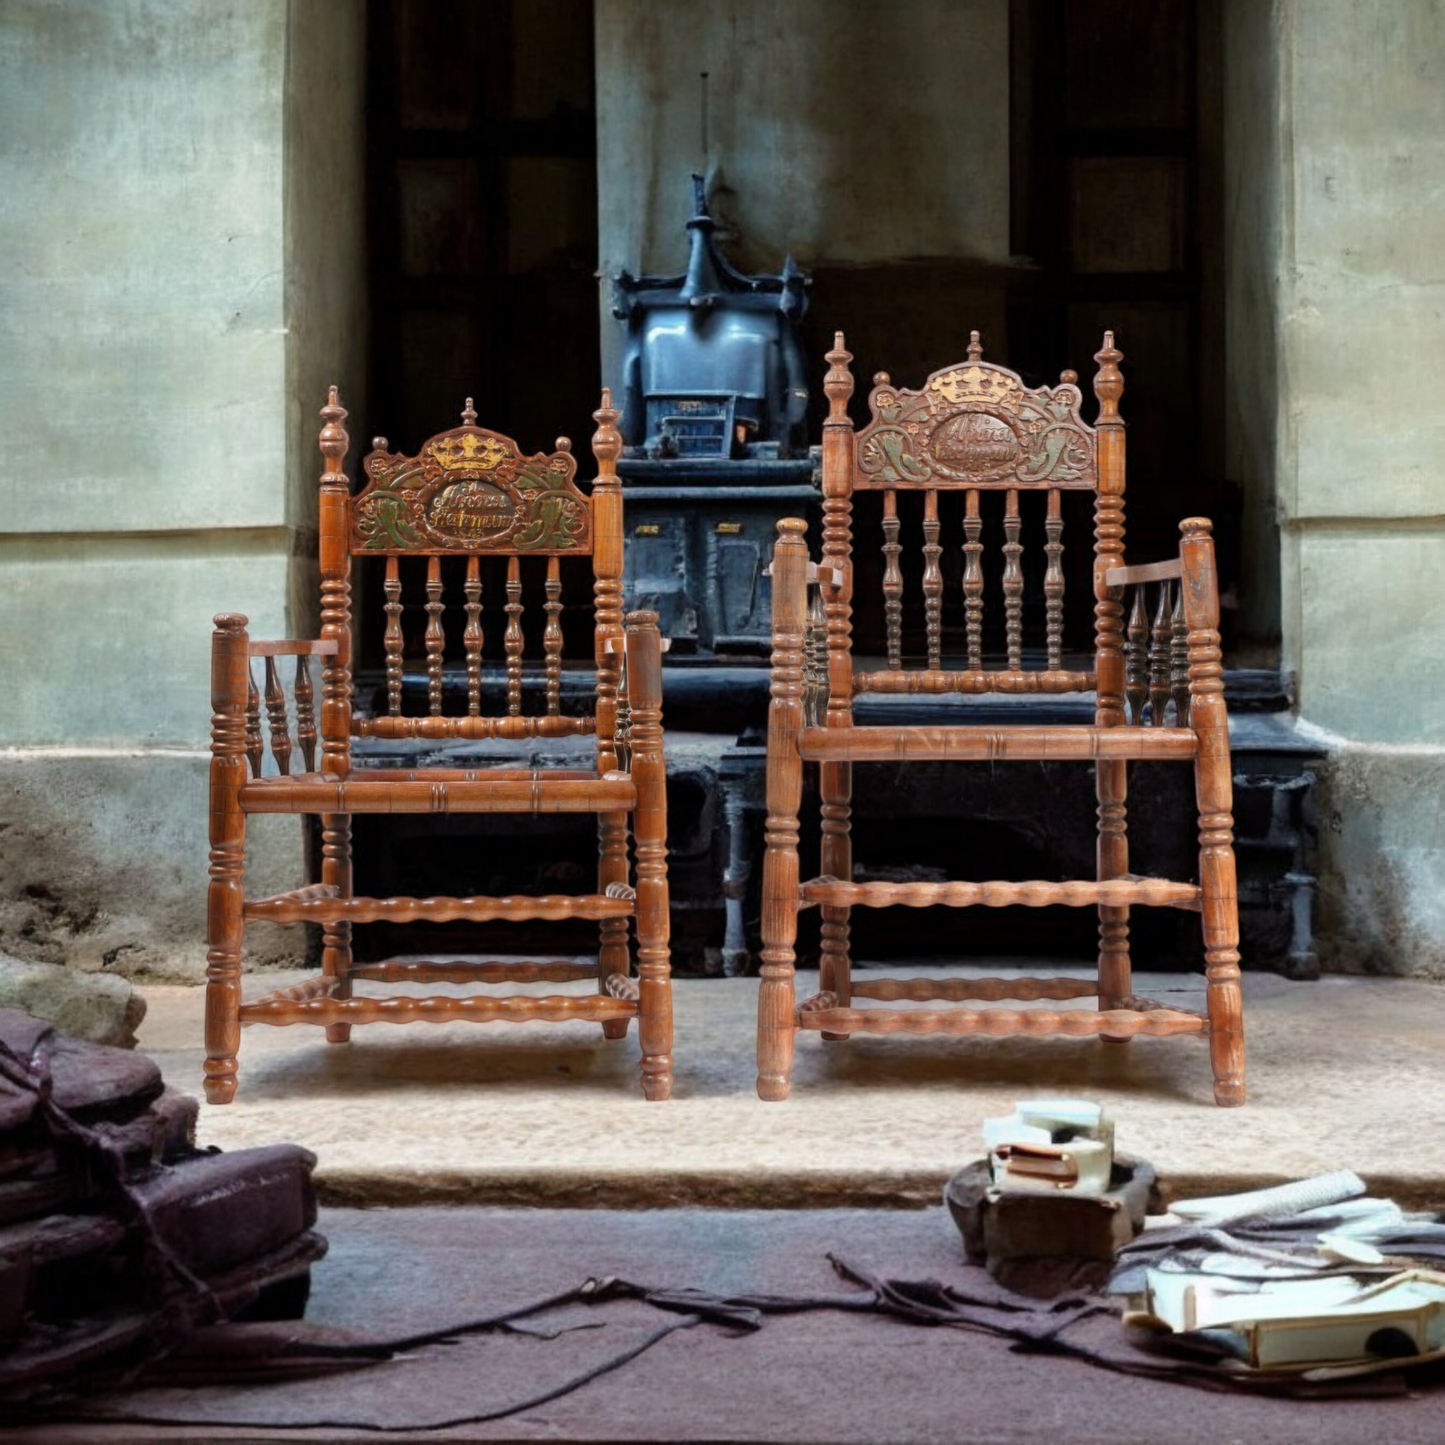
(380, 444)
(334, 439)
(1196, 526)
(881, 378)
(791, 527)
(564, 444)
(1108, 383)
(231, 621)
(607, 440)
(1068, 377)
(838, 383)
(975, 347)
(469, 415)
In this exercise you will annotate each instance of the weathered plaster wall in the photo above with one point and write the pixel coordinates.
(853, 133)
(173, 179)
(1336, 156)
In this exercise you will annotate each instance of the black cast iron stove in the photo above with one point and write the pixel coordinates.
(714, 424)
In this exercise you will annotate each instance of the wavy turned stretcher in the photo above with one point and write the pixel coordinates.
(976, 429)
(467, 494)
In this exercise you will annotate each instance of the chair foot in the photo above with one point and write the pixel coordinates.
(835, 1038)
(1229, 1093)
(220, 1081)
(657, 1077)
(338, 1033)
(1115, 1039)
(774, 1088)
(615, 1028)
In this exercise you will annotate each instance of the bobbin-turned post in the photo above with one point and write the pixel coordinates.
(835, 780)
(607, 592)
(1214, 788)
(649, 835)
(335, 525)
(1111, 776)
(225, 896)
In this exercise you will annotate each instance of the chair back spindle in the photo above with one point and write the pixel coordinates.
(1160, 659)
(976, 428)
(471, 493)
(473, 637)
(276, 715)
(305, 713)
(392, 642)
(255, 749)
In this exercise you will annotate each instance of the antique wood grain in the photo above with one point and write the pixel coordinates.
(1013, 584)
(784, 796)
(255, 747)
(472, 728)
(225, 923)
(305, 714)
(981, 745)
(1004, 1023)
(649, 835)
(512, 638)
(277, 720)
(1179, 653)
(1136, 659)
(1160, 658)
(482, 795)
(473, 638)
(972, 581)
(435, 639)
(962, 990)
(554, 906)
(1213, 780)
(1054, 582)
(976, 427)
(469, 490)
(408, 1009)
(464, 971)
(892, 580)
(973, 682)
(1155, 892)
(391, 639)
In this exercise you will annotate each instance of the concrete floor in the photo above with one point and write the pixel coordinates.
(1344, 1072)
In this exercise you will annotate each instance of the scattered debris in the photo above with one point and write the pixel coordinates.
(118, 1238)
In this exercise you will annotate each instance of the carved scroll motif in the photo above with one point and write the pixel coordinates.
(976, 425)
(471, 490)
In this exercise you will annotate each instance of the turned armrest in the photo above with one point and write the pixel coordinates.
(1146, 572)
(293, 647)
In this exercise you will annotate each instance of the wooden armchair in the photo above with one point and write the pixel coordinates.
(468, 493)
(977, 429)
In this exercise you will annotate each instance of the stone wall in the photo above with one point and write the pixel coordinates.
(181, 270)
(1335, 153)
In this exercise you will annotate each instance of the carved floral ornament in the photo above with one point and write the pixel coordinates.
(470, 490)
(977, 425)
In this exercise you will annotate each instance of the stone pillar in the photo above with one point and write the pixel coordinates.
(180, 247)
(1335, 158)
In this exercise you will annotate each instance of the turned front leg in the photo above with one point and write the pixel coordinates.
(225, 920)
(835, 964)
(336, 937)
(1214, 789)
(649, 830)
(784, 796)
(612, 932)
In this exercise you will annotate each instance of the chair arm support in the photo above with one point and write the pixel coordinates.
(1145, 572)
(294, 647)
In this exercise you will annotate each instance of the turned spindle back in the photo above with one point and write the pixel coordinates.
(470, 493)
(1014, 453)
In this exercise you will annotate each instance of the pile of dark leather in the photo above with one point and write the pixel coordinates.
(118, 1238)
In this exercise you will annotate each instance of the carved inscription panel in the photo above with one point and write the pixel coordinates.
(975, 425)
(470, 490)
